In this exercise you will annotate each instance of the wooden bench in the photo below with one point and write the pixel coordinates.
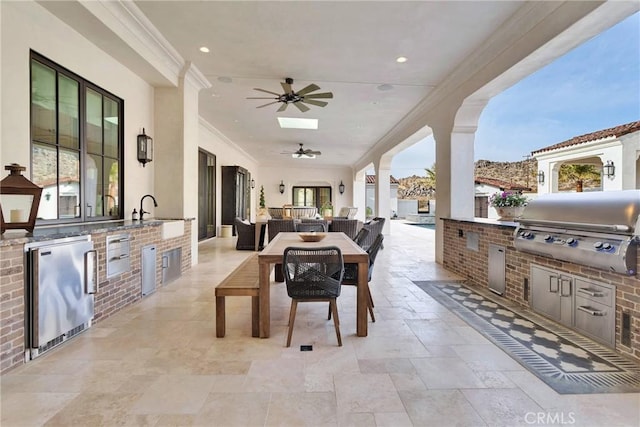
(243, 281)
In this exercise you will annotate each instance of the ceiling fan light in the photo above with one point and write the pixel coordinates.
(401, 59)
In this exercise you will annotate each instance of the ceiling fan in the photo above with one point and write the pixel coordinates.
(299, 98)
(301, 153)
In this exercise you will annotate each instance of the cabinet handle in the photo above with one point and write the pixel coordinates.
(590, 311)
(562, 288)
(91, 272)
(590, 292)
(551, 279)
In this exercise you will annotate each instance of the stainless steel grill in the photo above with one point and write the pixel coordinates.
(598, 229)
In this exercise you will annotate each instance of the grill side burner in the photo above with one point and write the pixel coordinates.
(597, 229)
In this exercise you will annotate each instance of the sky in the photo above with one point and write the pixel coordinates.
(595, 86)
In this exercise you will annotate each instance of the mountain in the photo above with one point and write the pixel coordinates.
(421, 188)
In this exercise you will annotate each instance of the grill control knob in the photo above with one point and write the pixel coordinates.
(548, 238)
(571, 241)
(606, 246)
(597, 245)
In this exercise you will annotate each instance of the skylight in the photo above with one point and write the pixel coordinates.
(297, 123)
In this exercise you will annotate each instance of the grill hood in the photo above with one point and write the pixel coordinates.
(597, 229)
(604, 211)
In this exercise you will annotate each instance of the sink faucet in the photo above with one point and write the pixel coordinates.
(142, 211)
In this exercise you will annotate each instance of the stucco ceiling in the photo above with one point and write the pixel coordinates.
(346, 47)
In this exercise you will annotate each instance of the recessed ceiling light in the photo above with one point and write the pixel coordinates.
(401, 59)
(385, 86)
(225, 79)
(204, 49)
(296, 123)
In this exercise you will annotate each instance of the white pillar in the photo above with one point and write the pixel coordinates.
(359, 195)
(462, 174)
(383, 194)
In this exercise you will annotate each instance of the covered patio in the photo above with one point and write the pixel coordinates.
(158, 362)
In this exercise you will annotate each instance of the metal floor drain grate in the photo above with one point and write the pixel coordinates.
(306, 348)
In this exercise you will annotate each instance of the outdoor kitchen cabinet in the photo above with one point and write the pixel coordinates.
(584, 305)
(552, 294)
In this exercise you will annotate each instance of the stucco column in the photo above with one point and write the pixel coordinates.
(383, 194)
(360, 195)
(176, 151)
(462, 174)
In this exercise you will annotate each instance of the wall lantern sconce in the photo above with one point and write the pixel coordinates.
(145, 148)
(540, 177)
(281, 187)
(253, 184)
(609, 169)
(19, 200)
(341, 187)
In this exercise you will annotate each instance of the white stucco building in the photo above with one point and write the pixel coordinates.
(615, 151)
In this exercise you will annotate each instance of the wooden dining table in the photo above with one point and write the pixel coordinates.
(273, 253)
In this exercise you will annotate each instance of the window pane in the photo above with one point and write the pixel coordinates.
(69, 178)
(111, 115)
(44, 173)
(43, 103)
(69, 127)
(93, 186)
(112, 187)
(94, 122)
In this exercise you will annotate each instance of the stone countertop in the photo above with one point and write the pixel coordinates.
(60, 231)
(487, 221)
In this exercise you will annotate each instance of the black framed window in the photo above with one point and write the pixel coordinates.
(76, 145)
(311, 196)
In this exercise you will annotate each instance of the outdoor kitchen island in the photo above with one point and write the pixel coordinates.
(483, 251)
(120, 247)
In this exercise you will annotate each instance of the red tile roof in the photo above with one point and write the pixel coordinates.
(371, 179)
(605, 133)
(502, 185)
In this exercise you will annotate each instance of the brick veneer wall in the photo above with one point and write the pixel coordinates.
(115, 293)
(473, 265)
(11, 306)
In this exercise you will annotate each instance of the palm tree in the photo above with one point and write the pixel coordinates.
(578, 174)
(430, 179)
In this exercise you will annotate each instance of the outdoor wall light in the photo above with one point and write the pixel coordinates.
(540, 177)
(253, 184)
(145, 148)
(19, 200)
(281, 187)
(341, 187)
(609, 169)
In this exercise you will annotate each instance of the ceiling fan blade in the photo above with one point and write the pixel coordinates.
(312, 152)
(261, 97)
(308, 89)
(301, 106)
(314, 102)
(320, 95)
(286, 87)
(266, 91)
(282, 107)
(270, 103)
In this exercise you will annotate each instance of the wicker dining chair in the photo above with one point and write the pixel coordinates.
(313, 274)
(350, 276)
(375, 227)
(275, 226)
(361, 236)
(347, 226)
(310, 226)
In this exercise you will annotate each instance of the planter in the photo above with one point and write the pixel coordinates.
(327, 213)
(262, 215)
(509, 212)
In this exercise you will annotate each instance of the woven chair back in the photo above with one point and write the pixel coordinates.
(312, 273)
